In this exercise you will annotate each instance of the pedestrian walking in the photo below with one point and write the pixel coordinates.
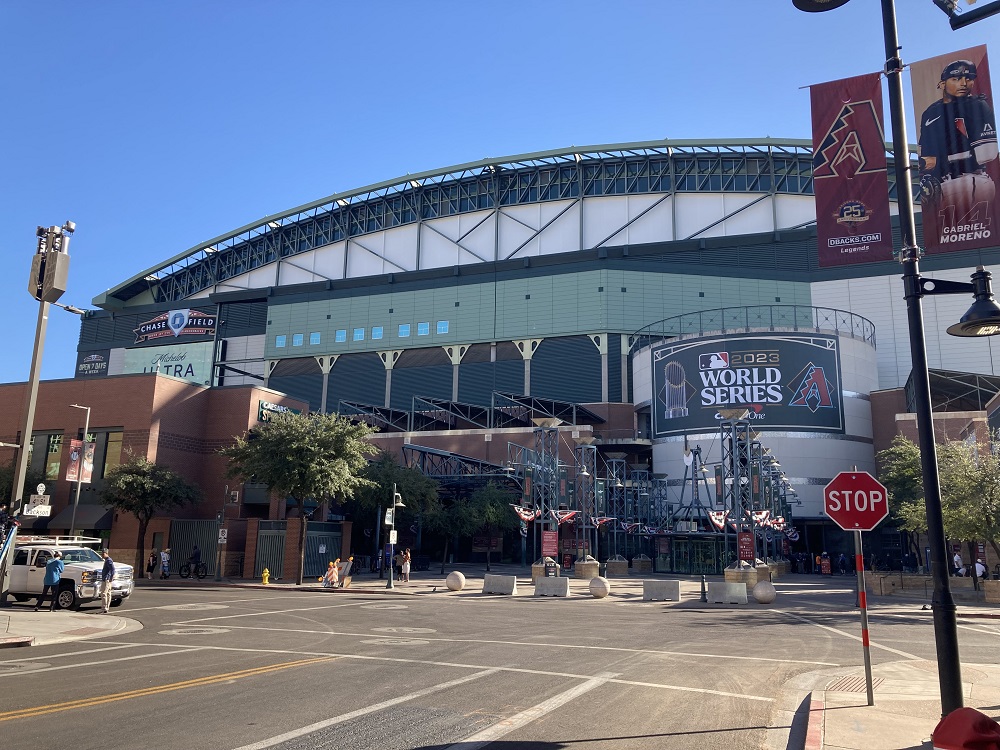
(50, 584)
(398, 563)
(406, 565)
(165, 563)
(151, 564)
(107, 581)
(842, 564)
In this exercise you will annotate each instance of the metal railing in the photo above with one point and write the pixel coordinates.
(754, 319)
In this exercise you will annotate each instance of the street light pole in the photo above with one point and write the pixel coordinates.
(942, 602)
(79, 468)
(46, 283)
(397, 502)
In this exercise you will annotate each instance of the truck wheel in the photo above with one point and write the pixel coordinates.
(67, 599)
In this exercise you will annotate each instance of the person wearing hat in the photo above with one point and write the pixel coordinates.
(980, 568)
(50, 584)
(958, 137)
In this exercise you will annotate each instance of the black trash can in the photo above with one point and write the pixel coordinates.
(551, 570)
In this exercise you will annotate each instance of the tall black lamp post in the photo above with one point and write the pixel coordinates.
(983, 319)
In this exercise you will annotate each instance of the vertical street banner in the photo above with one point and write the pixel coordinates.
(849, 172)
(81, 461)
(957, 139)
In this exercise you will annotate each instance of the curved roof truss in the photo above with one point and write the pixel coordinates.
(766, 166)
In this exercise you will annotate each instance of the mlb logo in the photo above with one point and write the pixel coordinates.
(713, 361)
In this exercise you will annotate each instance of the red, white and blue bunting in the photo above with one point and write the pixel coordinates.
(563, 516)
(629, 528)
(526, 514)
(718, 518)
(762, 517)
(778, 524)
(599, 521)
(792, 534)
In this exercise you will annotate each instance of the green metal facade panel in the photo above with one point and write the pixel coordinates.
(507, 310)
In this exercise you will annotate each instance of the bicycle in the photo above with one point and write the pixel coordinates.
(201, 570)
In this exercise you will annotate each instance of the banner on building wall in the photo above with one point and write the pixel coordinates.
(92, 364)
(784, 381)
(81, 461)
(849, 172)
(190, 362)
(957, 138)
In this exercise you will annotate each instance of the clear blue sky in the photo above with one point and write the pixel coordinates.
(157, 125)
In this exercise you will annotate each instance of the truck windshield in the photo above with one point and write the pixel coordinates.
(80, 555)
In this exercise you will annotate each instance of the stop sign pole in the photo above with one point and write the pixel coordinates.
(857, 502)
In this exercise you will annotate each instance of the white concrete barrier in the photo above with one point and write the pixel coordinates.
(723, 592)
(494, 584)
(552, 586)
(661, 590)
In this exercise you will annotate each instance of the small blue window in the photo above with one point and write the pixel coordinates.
(314, 338)
(279, 342)
(442, 326)
(297, 339)
(376, 332)
(423, 329)
(341, 336)
(359, 334)
(404, 330)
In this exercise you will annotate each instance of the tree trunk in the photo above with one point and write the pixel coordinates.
(972, 565)
(300, 573)
(444, 557)
(489, 547)
(140, 548)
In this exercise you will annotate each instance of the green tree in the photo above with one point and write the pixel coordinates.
(899, 471)
(303, 457)
(143, 489)
(453, 520)
(970, 490)
(490, 510)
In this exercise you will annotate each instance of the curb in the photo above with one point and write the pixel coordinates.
(17, 641)
(817, 718)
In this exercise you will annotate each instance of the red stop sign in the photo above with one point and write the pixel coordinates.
(856, 501)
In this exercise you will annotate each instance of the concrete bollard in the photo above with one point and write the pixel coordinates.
(599, 587)
(455, 581)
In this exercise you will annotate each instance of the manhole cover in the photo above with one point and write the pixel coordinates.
(195, 631)
(190, 607)
(384, 606)
(24, 666)
(404, 630)
(396, 642)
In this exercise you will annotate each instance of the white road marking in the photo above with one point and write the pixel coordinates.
(533, 644)
(458, 665)
(506, 726)
(296, 733)
(77, 653)
(853, 637)
(106, 661)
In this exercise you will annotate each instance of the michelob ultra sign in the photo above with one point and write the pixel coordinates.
(783, 381)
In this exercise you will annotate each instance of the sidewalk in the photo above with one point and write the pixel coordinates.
(834, 715)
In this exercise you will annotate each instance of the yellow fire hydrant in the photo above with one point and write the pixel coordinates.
(265, 576)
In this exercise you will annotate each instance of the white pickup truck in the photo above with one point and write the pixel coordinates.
(80, 581)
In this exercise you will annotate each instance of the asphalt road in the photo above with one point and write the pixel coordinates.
(247, 668)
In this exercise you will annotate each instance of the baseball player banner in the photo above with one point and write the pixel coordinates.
(957, 138)
(849, 172)
(784, 381)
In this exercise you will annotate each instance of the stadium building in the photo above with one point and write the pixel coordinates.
(607, 307)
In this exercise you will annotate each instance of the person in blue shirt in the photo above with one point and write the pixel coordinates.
(107, 578)
(50, 585)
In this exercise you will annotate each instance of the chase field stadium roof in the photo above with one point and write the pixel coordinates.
(578, 198)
